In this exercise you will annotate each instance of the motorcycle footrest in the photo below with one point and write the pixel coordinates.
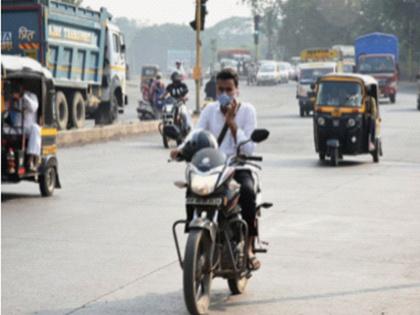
(261, 250)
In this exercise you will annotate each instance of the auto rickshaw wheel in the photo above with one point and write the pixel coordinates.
(392, 98)
(376, 152)
(165, 141)
(62, 111)
(78, 111)
(47, 181)
(334, 157)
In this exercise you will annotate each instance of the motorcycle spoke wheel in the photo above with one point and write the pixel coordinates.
(197, 275)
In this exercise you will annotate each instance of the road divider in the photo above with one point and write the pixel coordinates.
(76, 137)
(105, 133)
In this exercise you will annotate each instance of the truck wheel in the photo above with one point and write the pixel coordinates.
(62, 111)
(113, 111)
(78, 111)
(107, 112)
(392, 98)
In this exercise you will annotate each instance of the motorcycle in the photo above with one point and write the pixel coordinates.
(147, 111)
(175, 124)
(217, 243)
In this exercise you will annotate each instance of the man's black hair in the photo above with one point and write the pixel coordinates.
(228, 74)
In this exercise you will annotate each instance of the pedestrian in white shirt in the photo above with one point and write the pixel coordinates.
(232, 122)
(27, 103)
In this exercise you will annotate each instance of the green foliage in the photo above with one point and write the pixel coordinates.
(323, 23)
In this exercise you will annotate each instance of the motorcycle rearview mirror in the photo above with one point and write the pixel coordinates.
(180, 184)
(259, 135)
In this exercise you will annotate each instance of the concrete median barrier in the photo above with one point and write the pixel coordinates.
(105, 133)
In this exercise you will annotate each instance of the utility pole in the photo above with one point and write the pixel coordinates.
(257, 20)
(197, 68)
(213, 45)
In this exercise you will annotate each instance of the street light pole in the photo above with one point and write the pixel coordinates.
(197, 68)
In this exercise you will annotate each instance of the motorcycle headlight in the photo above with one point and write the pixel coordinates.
(351, 122)
(321, 121)
(203, 185)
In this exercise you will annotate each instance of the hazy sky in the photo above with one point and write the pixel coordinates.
(173, 11)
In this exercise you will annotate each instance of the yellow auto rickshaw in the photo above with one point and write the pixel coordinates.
(148, 73)
(346, 117)
(24, 72)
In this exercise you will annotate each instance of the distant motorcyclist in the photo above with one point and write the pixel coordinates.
(180, 69)
(177, 89)
(210, 88)
(157, 90)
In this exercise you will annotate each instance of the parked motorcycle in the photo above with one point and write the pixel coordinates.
(217, 234)
(175, 123)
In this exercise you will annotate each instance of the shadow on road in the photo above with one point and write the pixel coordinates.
(221, 301)
(327, 295)
(342, 163)
(312, 163)
(5, 197)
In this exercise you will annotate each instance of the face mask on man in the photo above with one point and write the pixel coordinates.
(224, 100)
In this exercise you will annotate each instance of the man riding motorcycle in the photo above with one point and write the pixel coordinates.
(179, 90)
(232, 122)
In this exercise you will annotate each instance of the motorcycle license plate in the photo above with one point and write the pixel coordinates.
(204, 201)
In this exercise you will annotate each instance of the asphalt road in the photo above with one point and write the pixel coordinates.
(343, 240)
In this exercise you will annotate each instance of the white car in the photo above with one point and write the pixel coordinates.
(285, 71)
(269, 73)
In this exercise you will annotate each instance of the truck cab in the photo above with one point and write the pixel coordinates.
(308, 75)
(115, 65)
(377, 55)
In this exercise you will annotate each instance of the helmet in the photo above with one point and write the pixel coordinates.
(176, 76)
(197, 140)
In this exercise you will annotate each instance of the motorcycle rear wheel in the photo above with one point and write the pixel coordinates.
(197, 272)
(237, 285)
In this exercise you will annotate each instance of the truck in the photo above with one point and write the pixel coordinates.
(377, 54)
(81, 47)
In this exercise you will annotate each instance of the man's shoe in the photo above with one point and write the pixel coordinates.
(253, 263)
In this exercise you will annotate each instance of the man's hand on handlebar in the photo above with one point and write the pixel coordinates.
(175, 154)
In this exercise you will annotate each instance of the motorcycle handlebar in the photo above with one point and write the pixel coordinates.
(251, 158)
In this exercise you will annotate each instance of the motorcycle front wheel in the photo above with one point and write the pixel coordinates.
(197, 272)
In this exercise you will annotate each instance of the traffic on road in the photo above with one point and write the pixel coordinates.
(272, 178)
